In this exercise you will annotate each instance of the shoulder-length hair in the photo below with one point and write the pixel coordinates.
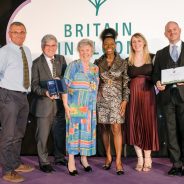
(146, 53)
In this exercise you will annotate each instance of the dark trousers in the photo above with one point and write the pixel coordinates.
(14, 110)
(44, 125)
(59, 132)
(174, 114)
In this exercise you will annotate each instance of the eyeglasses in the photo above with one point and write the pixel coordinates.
(22, 33)
(50, 46)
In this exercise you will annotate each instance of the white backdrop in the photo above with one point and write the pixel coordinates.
(72, 20)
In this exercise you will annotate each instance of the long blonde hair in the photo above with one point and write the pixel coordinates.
(146, 53)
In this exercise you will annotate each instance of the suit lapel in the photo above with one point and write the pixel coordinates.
(45, 66)
(117, 63)
(58, 66)
(166, 58)
(103, 64)
(181, 63)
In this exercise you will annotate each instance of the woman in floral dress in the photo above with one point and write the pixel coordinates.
(81, 78)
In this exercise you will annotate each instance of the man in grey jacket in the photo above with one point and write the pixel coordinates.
(46, 67)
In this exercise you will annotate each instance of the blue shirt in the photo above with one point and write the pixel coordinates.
(11, 67)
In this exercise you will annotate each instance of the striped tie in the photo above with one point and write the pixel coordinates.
(26, 82)
(53, 68)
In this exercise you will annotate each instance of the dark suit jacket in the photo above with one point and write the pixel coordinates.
(162, 61)
(41, 105)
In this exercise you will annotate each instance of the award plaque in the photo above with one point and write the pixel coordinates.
(172, 75)
(51, 86)
(55, 87)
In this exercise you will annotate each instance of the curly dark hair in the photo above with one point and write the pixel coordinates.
(108, 33)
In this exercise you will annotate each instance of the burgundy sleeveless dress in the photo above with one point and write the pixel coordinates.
(141, 111)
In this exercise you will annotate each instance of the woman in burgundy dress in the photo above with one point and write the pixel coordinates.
(142, 118)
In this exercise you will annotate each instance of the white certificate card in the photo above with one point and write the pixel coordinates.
(172, 75)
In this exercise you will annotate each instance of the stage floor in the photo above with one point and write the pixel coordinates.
(158, 174)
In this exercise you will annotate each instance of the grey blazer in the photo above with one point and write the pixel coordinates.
(41, 105)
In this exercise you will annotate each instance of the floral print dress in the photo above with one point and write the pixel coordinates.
(82, 92)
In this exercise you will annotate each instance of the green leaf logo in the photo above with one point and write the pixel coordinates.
(97, 4)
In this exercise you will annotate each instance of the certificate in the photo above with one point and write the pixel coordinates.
(173, 75)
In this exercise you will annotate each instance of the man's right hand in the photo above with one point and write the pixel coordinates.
(160, 86)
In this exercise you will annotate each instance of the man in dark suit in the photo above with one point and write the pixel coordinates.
(45, 106)
(172, 95)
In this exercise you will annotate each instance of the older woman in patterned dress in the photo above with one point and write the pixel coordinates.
(82, 79)
(112, 97)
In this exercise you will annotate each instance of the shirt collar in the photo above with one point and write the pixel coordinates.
(178, 44)
(14, 46)
(47, 58)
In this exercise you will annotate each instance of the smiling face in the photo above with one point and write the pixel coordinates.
(50, 48)
(109, 46)
(137, 44)
(172, 32)
(17, 34)
(85, 53)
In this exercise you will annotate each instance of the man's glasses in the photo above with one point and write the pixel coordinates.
(22, 33)
(50, 46)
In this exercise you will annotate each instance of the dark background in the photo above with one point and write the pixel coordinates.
(7, 7)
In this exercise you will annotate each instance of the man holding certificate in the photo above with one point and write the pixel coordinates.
(47, 106)
(168, 75)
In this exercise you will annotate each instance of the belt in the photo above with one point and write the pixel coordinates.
(22, 92)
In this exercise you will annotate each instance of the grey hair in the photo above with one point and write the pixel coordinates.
(47, 38)
(84, 42)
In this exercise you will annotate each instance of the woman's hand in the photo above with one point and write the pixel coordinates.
(123, 108)
(67, 110)
(66, 106)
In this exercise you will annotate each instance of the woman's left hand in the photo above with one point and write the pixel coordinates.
(123, 108)
(67, 110)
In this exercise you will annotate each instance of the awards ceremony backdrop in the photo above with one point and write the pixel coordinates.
(72, 20)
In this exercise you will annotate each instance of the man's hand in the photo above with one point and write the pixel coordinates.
(57, 78)
(160, 86)
(180, 84)
(67, 110)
